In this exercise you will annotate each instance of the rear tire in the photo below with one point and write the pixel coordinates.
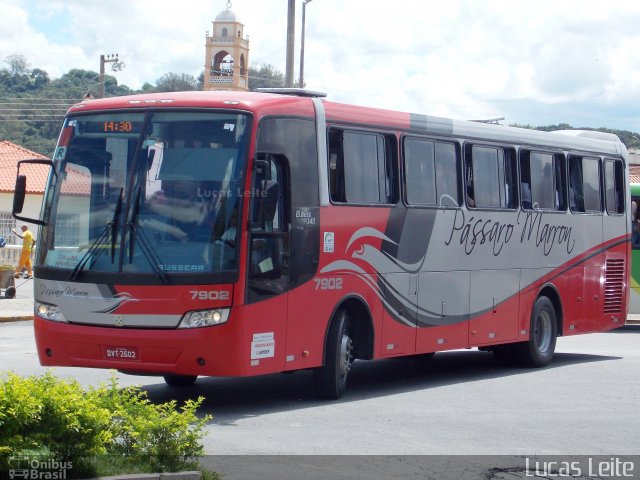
(331, 379)
(539, 349)
(180, 380)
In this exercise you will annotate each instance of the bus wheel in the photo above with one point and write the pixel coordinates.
(180, 380)
(538, 351)
(331, 379)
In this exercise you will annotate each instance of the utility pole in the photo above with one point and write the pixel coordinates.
(291, 33)
(113, 58)
(304, 11)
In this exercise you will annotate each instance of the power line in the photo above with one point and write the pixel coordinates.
(40, 98)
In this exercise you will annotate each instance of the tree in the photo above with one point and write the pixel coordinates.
(39, 78)
(18, 64)
(173, 82)
(265, 77)
(76, 83)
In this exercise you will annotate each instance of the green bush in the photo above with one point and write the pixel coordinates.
(59, 420)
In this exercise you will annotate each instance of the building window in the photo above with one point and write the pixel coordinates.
(67, 231)
(7, 223)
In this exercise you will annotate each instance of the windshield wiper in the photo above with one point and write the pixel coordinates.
(132, 224)
(110, 228)
(137, 234)
(114, 224)
(104, 234)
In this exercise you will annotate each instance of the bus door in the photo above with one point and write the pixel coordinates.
(268, 258)
(615, 259)
(585, 199)
(634, 291)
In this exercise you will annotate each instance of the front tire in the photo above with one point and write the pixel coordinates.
(180, 380)
(331, 379)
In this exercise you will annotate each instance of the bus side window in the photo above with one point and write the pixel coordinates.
(584, 184)
(560, 182)
(361, 167)
(431, 172)
(525, 180)
(614, 186)
(541, 180)
(491, 176)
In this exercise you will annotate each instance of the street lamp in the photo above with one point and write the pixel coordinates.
(304, 10)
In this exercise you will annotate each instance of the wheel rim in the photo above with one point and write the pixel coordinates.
(542, 333)
(345, 355)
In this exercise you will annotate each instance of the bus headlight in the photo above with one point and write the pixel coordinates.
(205, 318)
(48, 312)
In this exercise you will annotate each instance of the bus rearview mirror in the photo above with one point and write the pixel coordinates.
(20, 193)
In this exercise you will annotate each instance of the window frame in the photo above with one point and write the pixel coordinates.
(559, 165)
(571, 157)
(619, 181)
(434, 141)
(509, 154)
(387, 178)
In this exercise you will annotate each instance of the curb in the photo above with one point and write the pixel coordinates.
(16, 318)
(156, 476)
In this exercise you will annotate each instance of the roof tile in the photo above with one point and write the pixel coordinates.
(10, 155)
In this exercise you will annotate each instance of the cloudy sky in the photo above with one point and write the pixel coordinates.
(533, 62)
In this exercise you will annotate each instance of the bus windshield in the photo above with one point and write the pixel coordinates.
(154, 193)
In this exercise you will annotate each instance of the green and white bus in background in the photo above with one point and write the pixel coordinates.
(634, 282)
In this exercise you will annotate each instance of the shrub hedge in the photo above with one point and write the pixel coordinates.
(59, 420)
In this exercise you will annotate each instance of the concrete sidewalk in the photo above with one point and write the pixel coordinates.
(16, 309)
(21, 306)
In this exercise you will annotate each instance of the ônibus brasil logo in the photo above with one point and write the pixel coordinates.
(37, 468)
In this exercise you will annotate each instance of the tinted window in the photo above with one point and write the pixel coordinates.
(614, 186)
(584, 184)
(490, 177)
(431, 172)
(360, 167)
(541, 181)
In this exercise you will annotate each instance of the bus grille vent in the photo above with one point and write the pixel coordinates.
(614, 285)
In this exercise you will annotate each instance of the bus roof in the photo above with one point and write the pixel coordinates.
(301, 102)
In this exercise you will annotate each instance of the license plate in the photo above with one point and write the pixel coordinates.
(120, 353)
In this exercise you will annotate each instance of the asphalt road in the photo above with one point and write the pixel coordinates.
(458, 403)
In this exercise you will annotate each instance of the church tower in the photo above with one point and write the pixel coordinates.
(227, 54)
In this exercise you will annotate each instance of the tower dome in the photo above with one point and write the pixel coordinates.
(227, 15)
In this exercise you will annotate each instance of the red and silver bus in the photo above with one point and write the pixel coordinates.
(237, 234)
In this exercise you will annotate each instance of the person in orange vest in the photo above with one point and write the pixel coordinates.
(27, 245)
